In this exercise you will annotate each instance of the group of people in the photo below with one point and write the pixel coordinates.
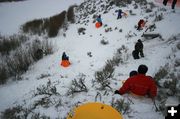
(138, 82)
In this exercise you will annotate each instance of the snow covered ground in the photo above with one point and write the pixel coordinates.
(77, 46)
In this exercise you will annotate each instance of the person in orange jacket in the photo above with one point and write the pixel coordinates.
(139, 84)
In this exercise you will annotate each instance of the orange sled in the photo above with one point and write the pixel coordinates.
(65, 63)
(98, 25)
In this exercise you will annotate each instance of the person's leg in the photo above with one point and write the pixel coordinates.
(165, 2)
(136, 54)
(141, 53)
(174, 3)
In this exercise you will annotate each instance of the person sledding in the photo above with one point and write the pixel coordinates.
(121, 13)
(139, 84)
(65, 60)
(99, 21)
(141, 24)
(138, 50)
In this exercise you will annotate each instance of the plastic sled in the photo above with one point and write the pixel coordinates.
(98, 25)
(94, 111)
(65, 63)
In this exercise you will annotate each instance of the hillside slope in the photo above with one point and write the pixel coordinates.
(46, 87)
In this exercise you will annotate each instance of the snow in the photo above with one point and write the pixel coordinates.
(14, 14)
(76, 46)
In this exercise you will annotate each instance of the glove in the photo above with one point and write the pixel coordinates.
(116, 92)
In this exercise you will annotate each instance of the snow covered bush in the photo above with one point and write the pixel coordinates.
(19, 112)
(49, 89)
(168, 82)
(108, 29)
(121, 106)
(158, 17)
(78, 85)
(103, 42)
(122, 3)
(22, 57)
(160, 75)
(10, 43)
(81, 31)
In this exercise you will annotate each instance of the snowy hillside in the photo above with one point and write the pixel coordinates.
(47, 89)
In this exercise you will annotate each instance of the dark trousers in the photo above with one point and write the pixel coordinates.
(141, 53)
(135, 54)
(173, 3)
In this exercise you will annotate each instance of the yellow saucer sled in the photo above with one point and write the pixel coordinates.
(94, 111)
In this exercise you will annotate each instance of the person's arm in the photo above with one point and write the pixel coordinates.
(153, 90)
(125, 88)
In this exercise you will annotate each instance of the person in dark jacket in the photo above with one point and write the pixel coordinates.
(139, 84)
(173, 3)
(139, 48)
(64, 56)
(119, 14)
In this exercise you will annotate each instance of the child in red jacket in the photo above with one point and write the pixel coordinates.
(139, 84)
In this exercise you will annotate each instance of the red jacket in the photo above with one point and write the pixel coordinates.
(140, 85)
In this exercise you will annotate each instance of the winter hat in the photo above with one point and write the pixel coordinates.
(142, 69)
(133, 73)
(139, 40)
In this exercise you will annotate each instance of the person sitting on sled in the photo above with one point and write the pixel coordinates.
(139, 84)
(65, 60)
(99, 20)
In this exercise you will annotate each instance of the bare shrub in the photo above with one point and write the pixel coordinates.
(102, 77)
(158, 17)
(141, 2)
(160, 75)
(22, 58)
(178, 46)
(70, 14)
(55, 23)
(108, 29)
(48, 89)
(122, 3)
(78, 85)
(50, 25)
(3, 73)
(81, 31)
(34, 27)
(13, 113)
(11, 0)
(19, 112)
(18, 63)
(39, 116)
(10, 43)
(121, 106)
(103, 42)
